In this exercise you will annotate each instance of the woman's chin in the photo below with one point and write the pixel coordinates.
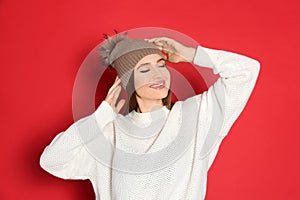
(159, 94)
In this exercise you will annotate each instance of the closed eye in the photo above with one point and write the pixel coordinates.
(144, 71)
(161, 66)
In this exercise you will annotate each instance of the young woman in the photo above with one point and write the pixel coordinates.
(158, 150)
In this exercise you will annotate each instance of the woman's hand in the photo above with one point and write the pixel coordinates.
(176, 51)
(113, 95)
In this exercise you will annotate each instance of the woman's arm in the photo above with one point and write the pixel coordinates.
(225, 99)
(66, 156)
(220, 106)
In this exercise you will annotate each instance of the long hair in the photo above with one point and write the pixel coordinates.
(131, 96)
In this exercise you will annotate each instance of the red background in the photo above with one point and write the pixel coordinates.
(43, 44)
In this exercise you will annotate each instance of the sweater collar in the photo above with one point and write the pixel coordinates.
(146, 118)
(143, 125)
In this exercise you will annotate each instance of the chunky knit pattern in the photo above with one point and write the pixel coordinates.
(126, 63)
(76, 153)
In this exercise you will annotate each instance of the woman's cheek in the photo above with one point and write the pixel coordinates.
(141, 81)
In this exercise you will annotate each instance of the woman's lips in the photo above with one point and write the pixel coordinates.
(158, 85)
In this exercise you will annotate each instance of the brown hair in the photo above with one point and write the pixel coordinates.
(131, 96)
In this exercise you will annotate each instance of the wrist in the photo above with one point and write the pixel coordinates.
(190, 54)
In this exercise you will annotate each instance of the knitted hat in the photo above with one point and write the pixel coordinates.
(124, 53)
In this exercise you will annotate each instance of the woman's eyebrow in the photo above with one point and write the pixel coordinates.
(150, 63)
(160, 60)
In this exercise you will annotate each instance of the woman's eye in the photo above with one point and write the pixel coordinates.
(161, 66)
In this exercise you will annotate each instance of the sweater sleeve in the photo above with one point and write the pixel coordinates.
(66, 156)
(221, 105)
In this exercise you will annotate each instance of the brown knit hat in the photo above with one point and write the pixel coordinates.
(124, 53)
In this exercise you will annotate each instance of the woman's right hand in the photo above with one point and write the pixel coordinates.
(113, 94)
(176, 51)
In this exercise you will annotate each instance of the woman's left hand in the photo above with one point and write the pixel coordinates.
(176, 51)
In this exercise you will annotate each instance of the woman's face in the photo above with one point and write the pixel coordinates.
(151, 77)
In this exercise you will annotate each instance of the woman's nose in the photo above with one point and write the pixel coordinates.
(157, 72)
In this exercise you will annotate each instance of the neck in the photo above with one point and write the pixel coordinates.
(148, 105)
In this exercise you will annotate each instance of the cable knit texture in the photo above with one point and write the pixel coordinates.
(159, 155)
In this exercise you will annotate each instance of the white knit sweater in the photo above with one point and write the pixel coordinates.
(159, 155)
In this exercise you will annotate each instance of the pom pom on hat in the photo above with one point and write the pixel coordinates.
(108, 46)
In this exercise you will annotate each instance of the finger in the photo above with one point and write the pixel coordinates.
(149, 39)
(115, 98)
(111, 95)
(153, 39)
(117, 91)
(117, 78)
(120, 105)
(113, 90)
(116, 83)
(157, 39)
(166, 39)
(160, 43)
(116, 94)
(160, 48)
